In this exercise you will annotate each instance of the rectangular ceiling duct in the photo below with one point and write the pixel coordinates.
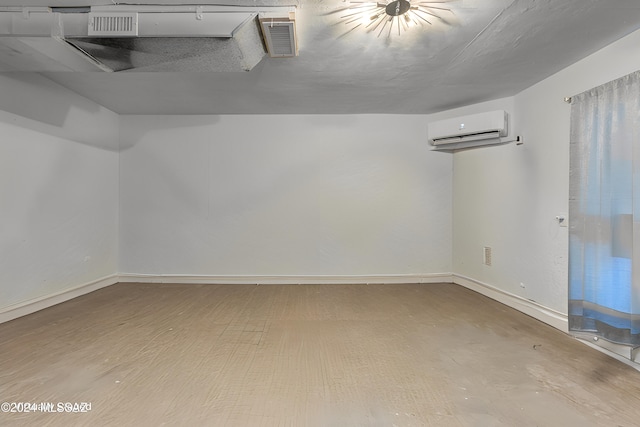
(134, 38)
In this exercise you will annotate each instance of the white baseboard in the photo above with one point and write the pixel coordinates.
(544, 314)
(533, 309)
(538, 311)
(288, 280)
(27, 307)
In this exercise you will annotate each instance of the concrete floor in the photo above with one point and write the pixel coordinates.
(309, 355)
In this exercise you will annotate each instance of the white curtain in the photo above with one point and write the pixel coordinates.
(604, 212)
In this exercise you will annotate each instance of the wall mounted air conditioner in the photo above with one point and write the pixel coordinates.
(475, 130)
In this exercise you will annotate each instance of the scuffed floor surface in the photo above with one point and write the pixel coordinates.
(309, 355)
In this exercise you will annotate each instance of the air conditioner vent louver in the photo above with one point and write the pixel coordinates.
(464, 138)
(113, 24)
(280, 36)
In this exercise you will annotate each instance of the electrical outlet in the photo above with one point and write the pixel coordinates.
(562, 219)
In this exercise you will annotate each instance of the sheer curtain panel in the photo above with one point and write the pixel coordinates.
(604, 212)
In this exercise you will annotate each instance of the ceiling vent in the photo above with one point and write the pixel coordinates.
(113, 24)
(280, 36)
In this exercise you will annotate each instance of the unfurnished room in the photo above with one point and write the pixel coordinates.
(320, 213)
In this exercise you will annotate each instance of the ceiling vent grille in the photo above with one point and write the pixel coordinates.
(280, 36)
(113, 24)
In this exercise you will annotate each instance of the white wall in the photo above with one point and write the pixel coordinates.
(58, 190)
(507, 197)
(283, 195)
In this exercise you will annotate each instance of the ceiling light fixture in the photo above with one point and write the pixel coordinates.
(386, 15)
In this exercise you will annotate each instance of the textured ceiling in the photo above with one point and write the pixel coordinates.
(484, 49)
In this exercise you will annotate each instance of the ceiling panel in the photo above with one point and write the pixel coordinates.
(481, 50)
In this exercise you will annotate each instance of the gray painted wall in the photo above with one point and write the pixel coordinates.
(304, 195)
(58, 190)
(283, 195)
(508, 197)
